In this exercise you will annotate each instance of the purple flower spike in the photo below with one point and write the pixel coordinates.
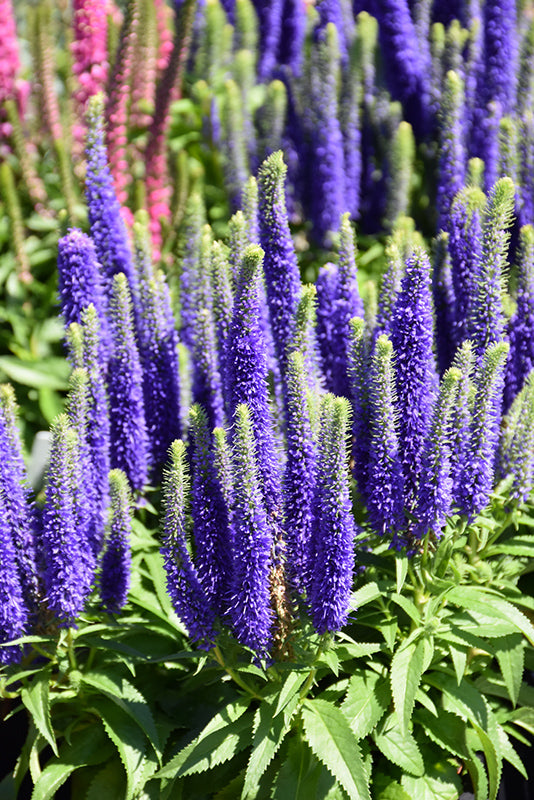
(299, 475)
(328, 179)
(487, 323)
(207, 384)
(501, 51)
(516, 455)
(129, 445)
(188, 268)
(478, 471)
(270, 18)
(66, 575)
(358, 374)
(16, 497)
(80, 281)
(247, 374)
(89, 512)
(330, 12)
(334, 529)
(453, 157)
(13, 610)
(293, 35)
(444, 302)
(349, 118)
(250, 609)
(465, 248)
(384, 490)
(183, 585)
(210, 517)
(280, 264)
(349, 304)
(327, 296)
(404, 61)
(250, 210)
(435, 490)
(108, 230)
(117, 559)
(461, 418)
(521, 326)
(412, 338)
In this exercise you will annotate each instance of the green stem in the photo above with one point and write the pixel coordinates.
(234, 675)
(70, 649)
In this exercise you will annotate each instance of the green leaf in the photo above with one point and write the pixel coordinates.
(129, 699)
(388, 789)
(477, 772)
(108, 783)
(332, 740)
(407, 606)
(509, 754)
(270, 733)
(524, 717)
(127, 738)
(446, 729)
(301, 776)
(38, 374)
(510, 654)
(366, 594)
(291, 686)
(224, 735)
(88, 747)
(36, 699)
(367, 699)
(406, 672)
(493, 759)
(464, 700)
(401, 569)
(459, 660)
(429, 788)
(399, 748)
(490, 604)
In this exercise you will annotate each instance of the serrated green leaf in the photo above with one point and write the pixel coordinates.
(407, 606)
(332, 740)
(366, 701)
(399, 748)
(291, 686)
(508, 752)
(88, 747)
(389, 790)
(127, 738)
(129, 699)
(36, 699)
(366, 594)
(510, 653)
(477, 773)
(108, 783)
(401, 569)
(348, 650)
(524, 717)
(270, 733)
(459, 660)
(219, 740)
(301, 776)
(493, 760)
(446, 729)
(489, 604)
(464, 700)
(429, 788)
(405, 676)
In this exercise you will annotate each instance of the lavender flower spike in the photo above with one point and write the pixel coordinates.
(384, 490)
(128, 434)
(299, 475)
(516, 449)
(415, 371)
(183, 584)
(521, 325)
(461, 418)
(247, 375)
(334, 529)
(14, 487)
(66, 578)
(250, 609)
(80, 281)
(435, 490)
(487, 324)
(108, 231)
(210, 517)
(280, 263)
(453, 156)
(116, 561)
(349, 304)
(13, 610)
(501, 53)
(477, 477)
(358, 369)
